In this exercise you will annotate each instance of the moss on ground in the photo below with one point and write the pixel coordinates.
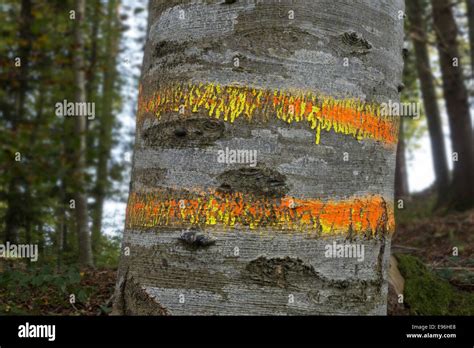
(427, 294)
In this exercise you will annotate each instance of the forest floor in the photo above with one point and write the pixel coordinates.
(44, 292)
(437, 279)
(435, 255)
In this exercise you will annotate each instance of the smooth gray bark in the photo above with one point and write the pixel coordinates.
(197, 42)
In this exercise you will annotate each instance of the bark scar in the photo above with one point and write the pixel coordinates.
(357, 42)
(196, 240)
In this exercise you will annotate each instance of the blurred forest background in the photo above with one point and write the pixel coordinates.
(64, 180)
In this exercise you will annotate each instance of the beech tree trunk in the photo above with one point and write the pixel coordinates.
(430, 102)
(302, 84)
(457, 104)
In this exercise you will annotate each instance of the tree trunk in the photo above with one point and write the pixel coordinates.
(91, 87)
(82, 228)
(59, 240)
(106, 123)
(423, 66)
(455, 94)
(470, 18)
(301, 84)
(401, 172)
(92, 72)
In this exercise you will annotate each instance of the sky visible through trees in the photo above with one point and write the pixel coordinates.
(130, 60)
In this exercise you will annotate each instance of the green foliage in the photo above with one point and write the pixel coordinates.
(40, 283)
(427, 294)
(40, 277)
(109, 256)
(41, 289)
(37, 190)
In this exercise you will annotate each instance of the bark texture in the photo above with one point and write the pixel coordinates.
(240, 75)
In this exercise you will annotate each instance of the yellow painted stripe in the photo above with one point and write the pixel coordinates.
(229, 103)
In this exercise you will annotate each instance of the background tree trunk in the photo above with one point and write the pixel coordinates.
(91, 83)
(423, 66)
(106, 123)
(401, 173)
(470, 18)
(205, 237)
(92, 72)
(82, 228)
(457, 105)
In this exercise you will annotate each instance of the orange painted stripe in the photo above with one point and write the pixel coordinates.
(347, 116)
(362, 215)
